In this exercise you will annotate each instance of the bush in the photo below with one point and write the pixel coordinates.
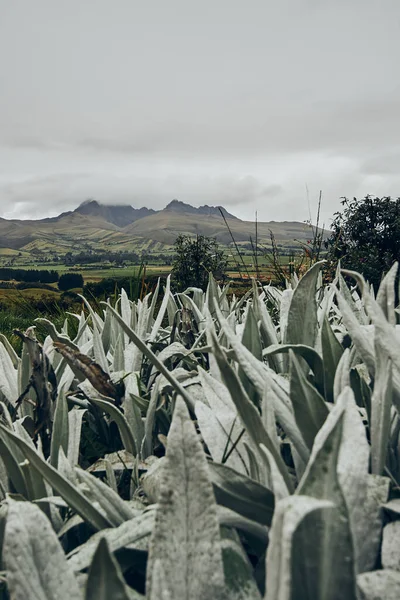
(366, 236)
(28, 275)
(69, 281)
(195, 258)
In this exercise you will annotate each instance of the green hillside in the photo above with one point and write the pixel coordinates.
(155, 233)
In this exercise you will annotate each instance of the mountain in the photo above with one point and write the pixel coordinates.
(116, 214)
(165, 225)
(187, 209)
(95, 226)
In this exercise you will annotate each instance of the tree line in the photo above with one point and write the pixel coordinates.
(28, 275)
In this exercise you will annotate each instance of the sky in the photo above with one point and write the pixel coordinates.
(255, 105)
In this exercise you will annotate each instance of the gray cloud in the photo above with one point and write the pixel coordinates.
(232, 103)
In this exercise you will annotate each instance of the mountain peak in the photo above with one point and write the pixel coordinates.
(118, 214)
(89, 202)
(183, 207)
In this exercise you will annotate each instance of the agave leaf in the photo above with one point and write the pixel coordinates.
(332, 352)
(12, 465)
(224, 435)
(147, 448)
(309, 406)
(255, 534)
(186, 537)
(257, 470)
(159, 590)
(75, 417)
(125, 307)
(161, 312)
(96, 319)
(369, 530)
(118, 363)
(141, 332)
(4, 482)
(215, 392)
(390, 546)
(251, 334)
(105, 579)
(393, 506)
(89, 369)
(151, 480)
(190, 304)
(54, 335)
(110, 475)
(248, 413)
(284, 308)
(98, 349)
(106, 334)
(298, 557)
(379, 585)
(133, 534)
(116, 510)
(302, 325)
(126, 433)
(360, 338)
(386, 294)
(62, 486)
(381, 403)
(16, 361)
(342, 375)
(212, 295)
(60, 432)
(278, 485)
(36, 565)
(352, 469)
(348, 297)
(261, 376)
(3, 519)
(242, 494)
(388, 340)
(152, 358)
(268, 417)
(134, 419)
(36, 487)
(240, 583)
(251, 341)
(267, 328)
(321, 481)
(8, 376)
(309, 354)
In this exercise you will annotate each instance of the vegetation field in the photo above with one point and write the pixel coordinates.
(279, 403)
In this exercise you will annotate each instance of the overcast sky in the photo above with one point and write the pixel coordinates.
(244, 103)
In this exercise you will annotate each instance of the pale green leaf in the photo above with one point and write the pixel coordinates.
(298, 565)
(36, 565)
(60, 432)
(302, 324)
(242, 494)
(134, 534)
(332, 352)
(379, 585)
(186, 537)
(115, 509)
(62, 486)
(309, 406)
(105, 579)
(390, 546)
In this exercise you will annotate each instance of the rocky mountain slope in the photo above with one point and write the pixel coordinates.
(112, 227)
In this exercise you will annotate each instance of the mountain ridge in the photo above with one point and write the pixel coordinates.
(97, 227)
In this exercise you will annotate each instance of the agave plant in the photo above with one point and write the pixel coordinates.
(214, 448)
